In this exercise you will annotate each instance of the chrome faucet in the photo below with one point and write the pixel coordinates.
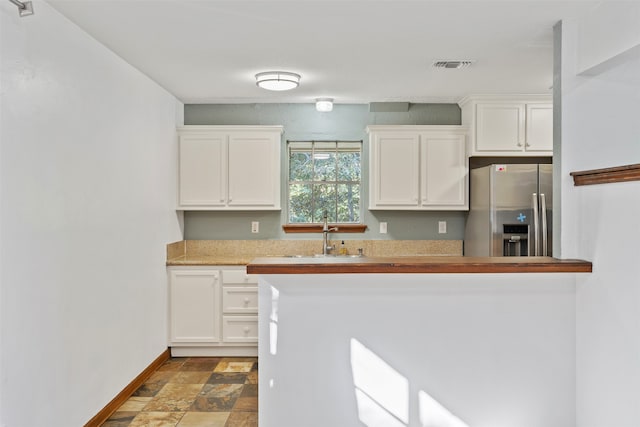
(326, 248)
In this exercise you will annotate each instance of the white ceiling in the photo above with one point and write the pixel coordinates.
(355, 51)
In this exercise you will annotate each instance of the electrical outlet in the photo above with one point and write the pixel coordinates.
(442, 227)
(383, 228)
(255, 227)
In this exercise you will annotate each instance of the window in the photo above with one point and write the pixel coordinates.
(324, 175)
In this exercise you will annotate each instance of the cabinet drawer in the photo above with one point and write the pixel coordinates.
(239, 299)
(238, 277)
(240, 329)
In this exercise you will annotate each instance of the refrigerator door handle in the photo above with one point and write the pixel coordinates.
(536, 245)
(543, 213)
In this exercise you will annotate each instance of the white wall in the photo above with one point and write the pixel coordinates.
(601, 128)
(491, 350)
(608, 34)
(86, 184)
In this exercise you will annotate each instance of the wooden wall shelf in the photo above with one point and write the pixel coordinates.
(607, 175)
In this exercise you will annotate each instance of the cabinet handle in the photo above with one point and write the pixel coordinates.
(519, 144)
(246, 301)
(246, 329)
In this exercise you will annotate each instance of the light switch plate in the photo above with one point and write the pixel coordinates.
(255, 226)
(383, 228)
(442, 227)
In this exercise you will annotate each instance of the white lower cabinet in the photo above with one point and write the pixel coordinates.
(194, 296)
(213, 311)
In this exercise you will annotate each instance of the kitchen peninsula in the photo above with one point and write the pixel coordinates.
(417, 341)
(213, 302)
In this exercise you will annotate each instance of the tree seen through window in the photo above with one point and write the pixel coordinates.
(324, 176)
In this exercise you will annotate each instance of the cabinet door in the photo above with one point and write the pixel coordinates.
(194, 297)
(444, 177)
(202, 170)
(254, 170)
(500, 127)
(539, 127)
(394, 171)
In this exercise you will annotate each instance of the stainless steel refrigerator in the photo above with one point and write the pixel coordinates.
(510, 211)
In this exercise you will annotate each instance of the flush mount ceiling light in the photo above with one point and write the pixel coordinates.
(277, 80)
(324, 105)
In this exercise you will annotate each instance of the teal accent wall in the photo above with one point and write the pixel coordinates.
(303, 122)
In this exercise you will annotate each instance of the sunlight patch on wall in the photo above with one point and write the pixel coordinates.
(433, 414)
(371, 414)
(273, 321)
(382, 392)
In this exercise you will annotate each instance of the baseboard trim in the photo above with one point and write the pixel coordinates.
(126, 393)
(233, 351)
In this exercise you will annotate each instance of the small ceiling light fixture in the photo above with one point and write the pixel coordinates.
(324, 105)
(277, 80)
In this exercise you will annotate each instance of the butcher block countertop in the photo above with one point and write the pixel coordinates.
(415, 264)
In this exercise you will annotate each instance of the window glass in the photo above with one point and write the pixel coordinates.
(324, 176)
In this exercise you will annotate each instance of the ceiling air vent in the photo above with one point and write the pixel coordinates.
(452, 64)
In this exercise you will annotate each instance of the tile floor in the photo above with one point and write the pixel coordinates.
(195, 392)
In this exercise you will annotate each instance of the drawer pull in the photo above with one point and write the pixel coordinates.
(246, 329)
(246, 301)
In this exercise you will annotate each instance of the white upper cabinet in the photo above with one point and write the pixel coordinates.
(500, 127)
(254, 170)
(229, 167)
(444, 170)
(394, 172)
(417, 168)
(202, 170)
(519, 125)
(539, 129)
